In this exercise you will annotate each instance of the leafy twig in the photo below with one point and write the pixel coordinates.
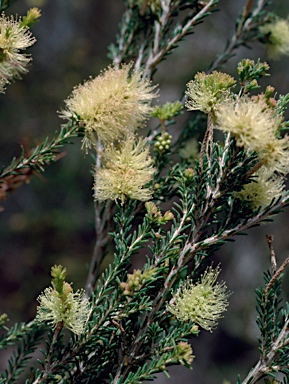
(160, 50)
(20, 170)
(245, 31)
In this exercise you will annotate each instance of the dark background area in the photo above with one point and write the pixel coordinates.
(50, 221)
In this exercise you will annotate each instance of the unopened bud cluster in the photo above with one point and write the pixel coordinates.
(145, 5)
(189, 173)
(136, 280)
(3, 319)
(163, 143)
(184, 353)
(155, 215)
(167, 111)
(249, 72)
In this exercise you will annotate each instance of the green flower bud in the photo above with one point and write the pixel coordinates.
(31, 18)
(167, 111)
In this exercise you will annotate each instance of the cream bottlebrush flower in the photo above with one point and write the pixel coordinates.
(277, 34)
(275, 155)
(250, 122)
(263, 189)
(254, 126)
(68, 308)
(125, 172)
(190, 150)
(14, 38)
(203, 302)
(110, 104)
(206, 92)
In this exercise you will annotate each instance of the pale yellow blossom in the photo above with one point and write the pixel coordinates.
(59, 306)
(71, 311)
(190, 150)
(202, 302)
(111, 104)
(275, 155)
(125, 172)
(250, 122)
(14, 38)
(261, 191)
(254, 125)
(206, 92)
(277, 34)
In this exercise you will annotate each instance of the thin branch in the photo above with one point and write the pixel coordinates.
(270, 239)
(240, 228)
(20, 170)
(127, 34)
(102, 237)
(241, 35)
(276, 275)
(206, 147)
(263, 365)
(157, 52)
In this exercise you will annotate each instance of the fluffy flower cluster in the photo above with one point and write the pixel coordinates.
(277, 34)
(125, 172)
(60, 306)
(190, 150)
(203, 302)
(265, 187)
(71, 310)
(254, 126)
(14, 38)
(206, 92)
(111, 104)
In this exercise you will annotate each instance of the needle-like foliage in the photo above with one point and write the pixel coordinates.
(169, 202)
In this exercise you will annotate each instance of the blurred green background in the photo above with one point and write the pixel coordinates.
(51, 220)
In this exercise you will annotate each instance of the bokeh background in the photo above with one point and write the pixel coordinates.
(51, 220)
